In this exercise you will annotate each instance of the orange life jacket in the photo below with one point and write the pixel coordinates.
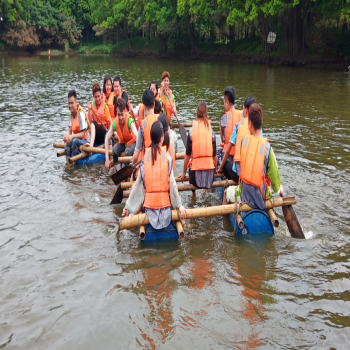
(101, 113)
(252, 162)
(167, 104)
(156, 180)
(202, 146)
(110, 104)
(125, 136)
(242, 132)
(232, 118)
(75, 122)
(172, 153)
(147, 141)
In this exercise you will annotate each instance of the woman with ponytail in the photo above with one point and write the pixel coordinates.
(156, 188)
(201, 158)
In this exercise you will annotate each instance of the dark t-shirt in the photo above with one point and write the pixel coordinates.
(125, 97)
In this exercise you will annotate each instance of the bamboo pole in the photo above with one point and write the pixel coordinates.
(127, 185)
(239, 221)
(60, 154)
(142, 232)
(86, 150)
(189, 187)
(141, 219)
(273, 218)
(58, 145)
(180, 230)
(176, 125)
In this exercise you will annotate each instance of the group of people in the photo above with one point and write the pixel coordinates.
(144, 133)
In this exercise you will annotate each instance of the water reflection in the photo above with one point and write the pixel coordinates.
(65, 271)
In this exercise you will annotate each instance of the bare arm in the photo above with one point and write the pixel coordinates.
(135, 157)
(133, 129)
(107, 138)
(187, 159)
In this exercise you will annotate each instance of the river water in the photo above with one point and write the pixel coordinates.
(69, 280)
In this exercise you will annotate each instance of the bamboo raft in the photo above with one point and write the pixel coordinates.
(244, 219)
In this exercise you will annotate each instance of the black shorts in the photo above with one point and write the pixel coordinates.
(100, 135)
(229, 173)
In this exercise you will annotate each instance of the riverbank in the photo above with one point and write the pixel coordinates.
(244, 51)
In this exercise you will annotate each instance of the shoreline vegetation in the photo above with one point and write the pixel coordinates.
(297, 33)
(246, 51)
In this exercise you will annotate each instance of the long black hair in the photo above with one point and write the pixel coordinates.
(157, 131)
(165, 121)
(107, 77)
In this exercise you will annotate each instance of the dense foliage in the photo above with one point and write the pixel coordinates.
(302, 26)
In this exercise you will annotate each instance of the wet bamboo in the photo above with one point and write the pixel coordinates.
(180, 230)
(141, 219)
(189, 187)
(127, 185)
(142, 232)
(273, 218)
(239, 221)
(60, 154)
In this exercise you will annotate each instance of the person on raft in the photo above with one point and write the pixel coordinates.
(125, 127)
(230, 165)
(228, 121)
(166, 96)
(259, 169)
(79, 127)
(144, 133)
(156, 188)
(120, 93)
(108, 96)
(139, 111)
(201, 158)
(168, 142)
(98, 112)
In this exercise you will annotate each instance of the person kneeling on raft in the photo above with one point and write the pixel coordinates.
(201, 148)
(79, 127)
(228, 122)
(259, 169)
(99, 109)
(230, 165)
(156, 188)
(125, 127)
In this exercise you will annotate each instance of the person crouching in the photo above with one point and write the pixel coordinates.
(125, 127)
(156, 188)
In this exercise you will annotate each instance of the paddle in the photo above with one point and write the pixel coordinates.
(181, 127)
(104, 126)
(124, 173)
(118, 196)
(292, 222)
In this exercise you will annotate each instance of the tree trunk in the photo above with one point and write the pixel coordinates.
(163, 50)
(126, 36)
(232, 35)
(191, 34)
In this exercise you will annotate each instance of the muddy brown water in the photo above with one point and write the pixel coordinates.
(68, 280)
